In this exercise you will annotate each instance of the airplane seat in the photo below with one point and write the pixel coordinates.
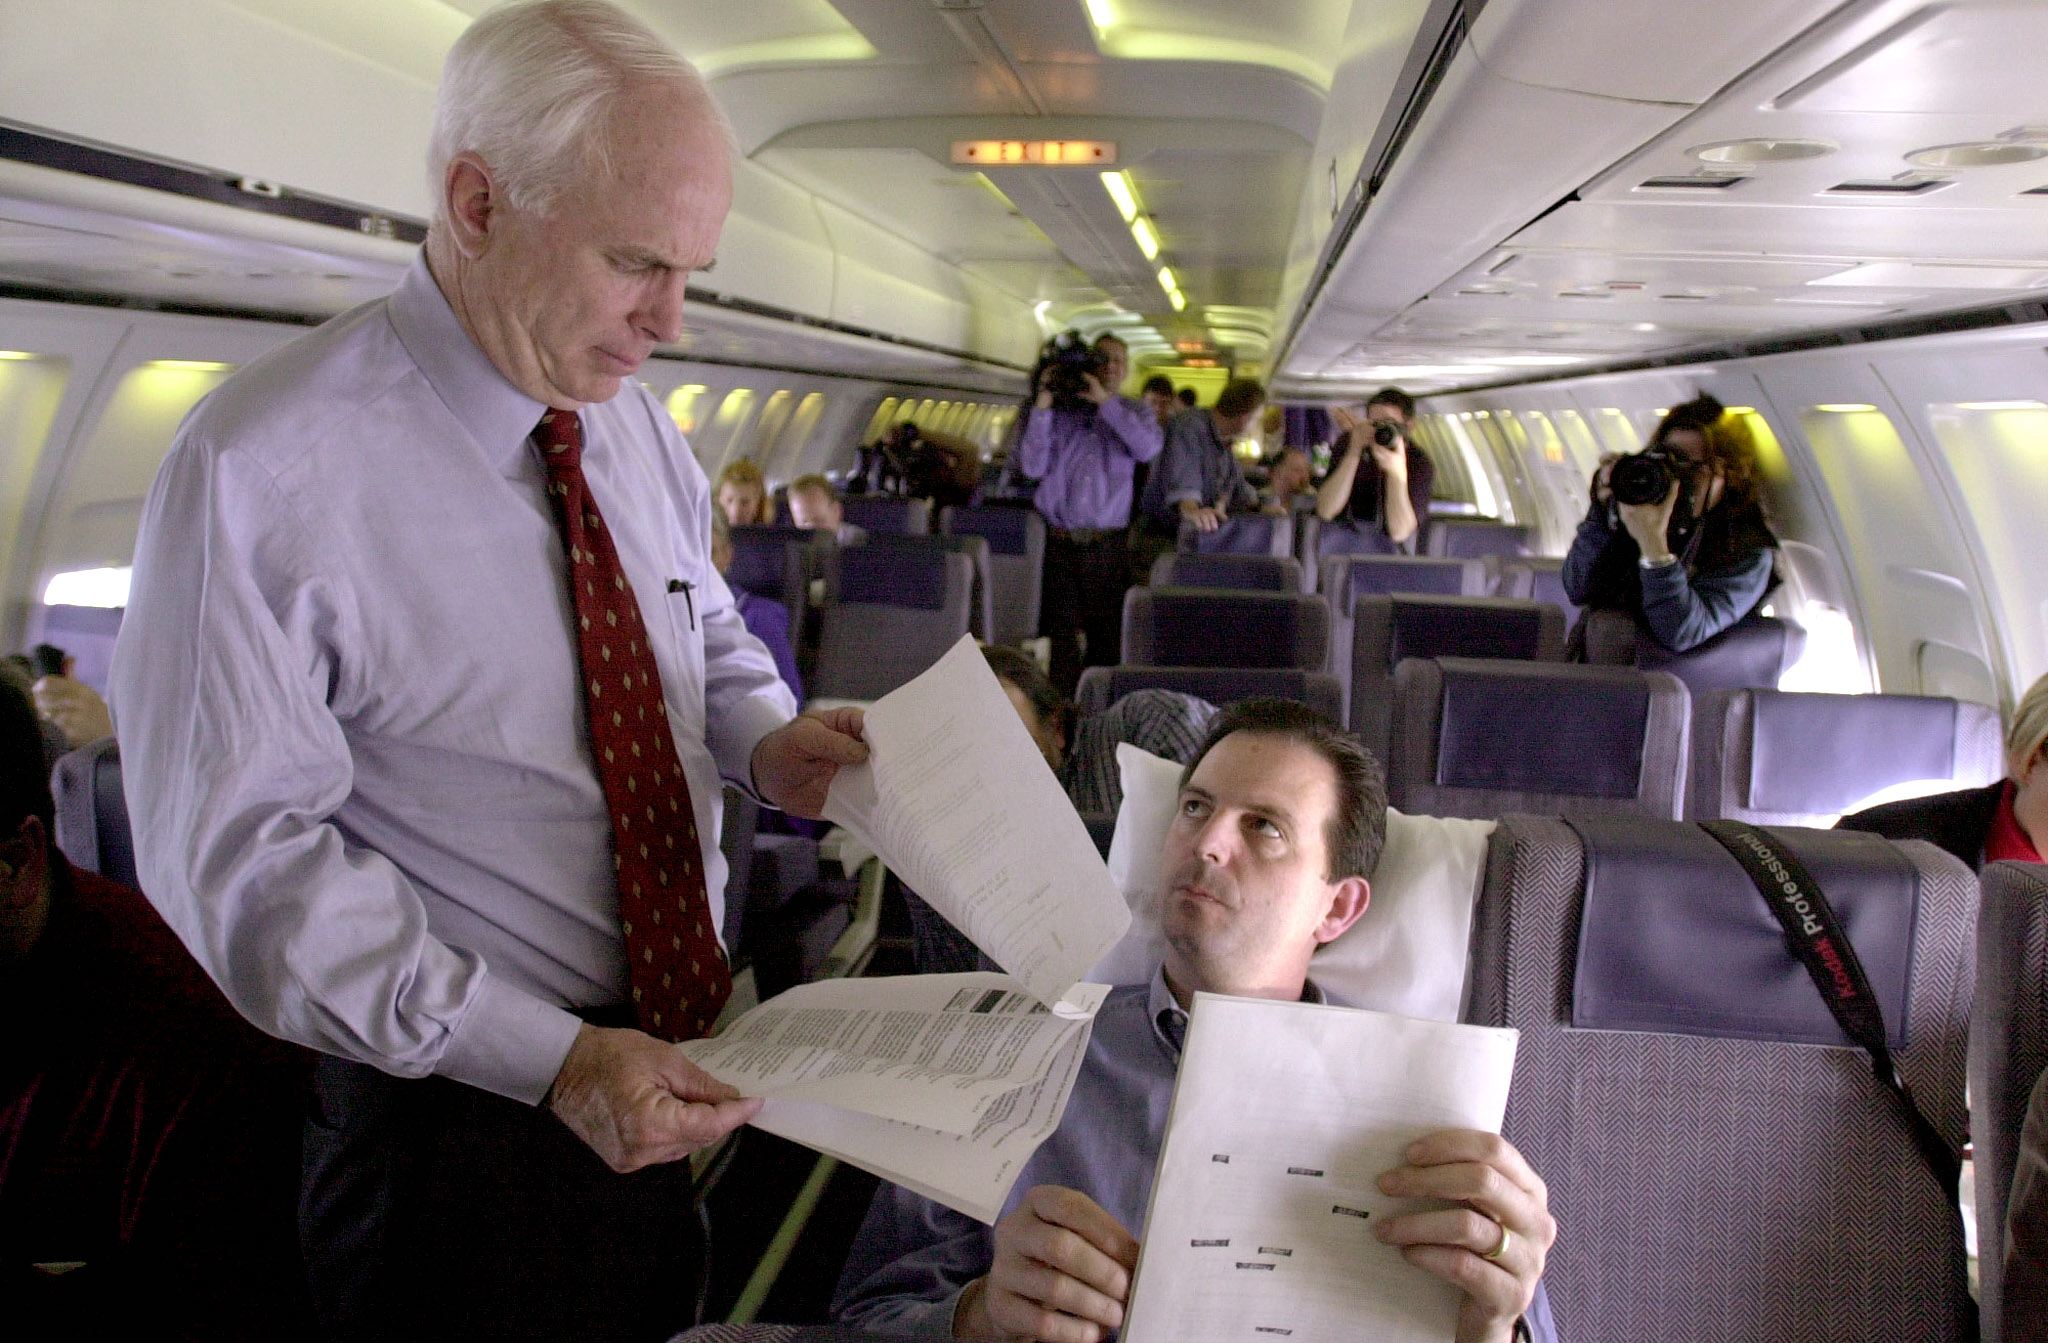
(736, 830)
(92, 815)
(886, 514)
(890, 612)
(1387, 629)
(778, 563)
(2008, 1053)
(1723, 1163)
(1016, 563)
(981, 604)
(1776, 757)
(1479, 737)
(1101, 687)
(1753, 653)
(1246, 573)
(1346, 578)
(1474, 538)
(1208, 627)
(1241, 534)
(1320, 540)
(1537, 577)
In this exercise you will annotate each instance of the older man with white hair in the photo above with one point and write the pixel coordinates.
(427, 685)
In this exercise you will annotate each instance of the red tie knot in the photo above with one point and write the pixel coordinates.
(560, 436)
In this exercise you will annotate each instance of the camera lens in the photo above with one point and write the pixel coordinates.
(1384, 434)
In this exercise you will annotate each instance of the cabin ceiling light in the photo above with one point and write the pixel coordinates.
(1761, 150)
(1978, 154)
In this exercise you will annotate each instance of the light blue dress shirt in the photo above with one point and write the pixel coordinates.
(352, 726)
(1084, 461)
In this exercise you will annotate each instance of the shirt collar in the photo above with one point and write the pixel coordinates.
(1170, 1023)
(497, 414)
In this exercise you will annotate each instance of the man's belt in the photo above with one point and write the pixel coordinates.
(1085, 536)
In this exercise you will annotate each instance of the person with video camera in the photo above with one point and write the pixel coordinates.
(1380, 482)
(1082, 442)
(1676, 536)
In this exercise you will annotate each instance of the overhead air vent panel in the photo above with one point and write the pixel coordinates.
(1693, 182)
(1889, 187)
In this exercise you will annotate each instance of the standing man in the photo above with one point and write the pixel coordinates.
(1083, 460)
(427, 686)
(1198, 479)
(1378, 488)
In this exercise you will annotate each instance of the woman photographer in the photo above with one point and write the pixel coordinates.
(1691, 563)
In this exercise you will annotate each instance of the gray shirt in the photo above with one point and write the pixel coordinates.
(1198, 465)
(352, 725)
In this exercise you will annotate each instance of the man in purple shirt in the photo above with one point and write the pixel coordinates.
(1083, 460)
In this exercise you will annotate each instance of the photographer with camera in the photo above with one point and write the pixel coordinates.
(1380, 483)
(1082, 442)
(1676, 536)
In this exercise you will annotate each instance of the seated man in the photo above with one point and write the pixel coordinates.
(815, 506)
(1281, 816)
(149, 1137)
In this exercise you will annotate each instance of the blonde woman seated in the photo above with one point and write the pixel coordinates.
(742, 495)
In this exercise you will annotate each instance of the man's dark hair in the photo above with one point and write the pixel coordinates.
(1111, 338)
(24, 779)
(1357, 831)
(1186, 396)
(1395, 397)
(1240, 396)
(1695, 414)
(1021, 670)
(1158, 382)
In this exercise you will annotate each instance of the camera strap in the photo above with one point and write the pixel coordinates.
(1816, 939)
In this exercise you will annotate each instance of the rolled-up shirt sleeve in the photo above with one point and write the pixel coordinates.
(1180, 463)
(234, 766)
(1133, 426)
(1034, 446)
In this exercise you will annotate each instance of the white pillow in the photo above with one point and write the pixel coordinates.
(1409, 951)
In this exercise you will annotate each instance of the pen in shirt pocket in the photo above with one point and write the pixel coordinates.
(684, 586)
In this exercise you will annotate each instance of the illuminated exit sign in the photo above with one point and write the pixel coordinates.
(1035, 153)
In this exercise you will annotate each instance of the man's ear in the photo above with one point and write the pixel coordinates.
(469, 200)
(1348, 898)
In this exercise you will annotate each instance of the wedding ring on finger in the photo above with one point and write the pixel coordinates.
(1507, 1238)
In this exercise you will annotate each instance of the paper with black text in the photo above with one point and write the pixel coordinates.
(972, 1173)
(939, 1051)
(1284, 1116)
(958, 802)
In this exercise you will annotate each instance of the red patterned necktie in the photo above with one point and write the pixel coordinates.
(680, 979)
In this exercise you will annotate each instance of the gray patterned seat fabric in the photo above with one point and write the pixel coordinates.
(1016, 563)
(1714, 1188)
(92, 815)
(1385, 629)
(2008, 1051)
(782, 1333)
(1246, 573)
(1776, 757)
(1103, 686)
(1212, 627)
(1484, 738)
(890, 612)
(887, 514)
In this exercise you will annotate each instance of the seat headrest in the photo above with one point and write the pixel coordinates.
(1751, 653)
(1214, 627)
(1813, 754)
(1246, 534)
(1366, 575)
(1007, 530)
(1537, 728)
(1464, 627)
(1219, 685)
(1675, 939)
(1251, 573)
(1341, 538)
(894, 576)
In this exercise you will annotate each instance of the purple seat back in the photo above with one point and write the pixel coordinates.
(1714, 1185)
(1466, 538)
(886, 513)
(1248, 573)
(1387, 629)
(1016, 563)
(1784, 758)
(1103, 686)
(2008, 1051)
(1210, 627)
(890, 613)
(1242, 534)
(92, 813)
(1484, 738)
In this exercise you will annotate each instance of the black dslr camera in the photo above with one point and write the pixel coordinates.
(1646, 477)
(1384, 434)
(1064, 364)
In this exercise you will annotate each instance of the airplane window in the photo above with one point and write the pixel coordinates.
(729, 425)
(922, 416)
(884, 416)
(786, 455)
(105, 587)
(1478, 464)
(1579, 441)
(761, 441)
(683, 406)
(31, 387)
(1616, 433)
(1998, 453)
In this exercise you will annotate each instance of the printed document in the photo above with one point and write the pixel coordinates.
(945, 1084)
(1284, 1116)
(959, 803)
